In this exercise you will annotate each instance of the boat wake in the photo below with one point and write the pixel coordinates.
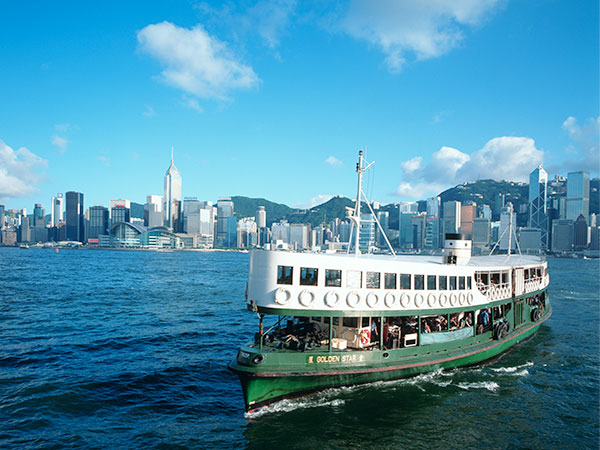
(439, 378)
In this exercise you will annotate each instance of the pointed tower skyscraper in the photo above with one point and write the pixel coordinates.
(172, 198)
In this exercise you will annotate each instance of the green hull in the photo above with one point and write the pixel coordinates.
(284, 374)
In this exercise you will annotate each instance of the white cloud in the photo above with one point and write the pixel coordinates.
(192, 103)
(412, 165)
(104, 160)
(317, 200)
(149, 111)
(19, 171)
(585, 148)
(60, 143)
(194, 61)
(334, 162)
(270, 18)
(502, 158)
(423, 28)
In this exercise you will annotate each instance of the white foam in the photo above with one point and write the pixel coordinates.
(489, 385)
(511, 369)
(288, 405)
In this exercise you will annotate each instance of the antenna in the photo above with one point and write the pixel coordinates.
(171, 154)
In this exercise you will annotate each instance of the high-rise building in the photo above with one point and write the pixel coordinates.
(508, 227)
(538, 217)
(25, 229)
(384, 220)
(261, 217)
(578, 194)
(451, 215)
(580, 233)
(367, 232)
(1, 217)
(481, 232)
(224, 210)
(56, 210)
(119, 213)
(75, 216)
(433, 207)
(153, 216)
(562, 235)
(432, 233)
(172, 198)
(98, 221)
(468, 212)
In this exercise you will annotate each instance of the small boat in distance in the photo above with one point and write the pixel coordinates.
(346, 319)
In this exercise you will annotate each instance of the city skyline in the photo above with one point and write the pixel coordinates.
(276, 105)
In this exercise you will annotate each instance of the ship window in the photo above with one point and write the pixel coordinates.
(443, 282)
(420, 282)
(373, 281)
(461, 283)
(333, 278)
(405, 281)
(469, 283)
(284, 274)
(504, 277)
(390, 281)
(431, 282)
(351, 322)
(452, 283)
(354, 279)
(365, 322)
(308, 276)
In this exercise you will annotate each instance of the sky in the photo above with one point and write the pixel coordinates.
(274, 99)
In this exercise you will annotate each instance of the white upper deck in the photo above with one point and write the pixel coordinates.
(341, 282)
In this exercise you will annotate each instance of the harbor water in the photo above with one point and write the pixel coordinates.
(129, 349)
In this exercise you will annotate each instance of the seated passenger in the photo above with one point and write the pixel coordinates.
(426, 327)
(453, 322)
(468, 319)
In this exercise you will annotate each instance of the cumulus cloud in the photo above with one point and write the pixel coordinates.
(316, 200)
(585, 146)
(424, 28)
(270, 18)
(19, 171)
(502, 158)
(334, 162)
(194, 61)
(60, 143)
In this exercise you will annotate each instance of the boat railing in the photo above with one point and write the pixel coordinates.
(498, 291)
(534, 284)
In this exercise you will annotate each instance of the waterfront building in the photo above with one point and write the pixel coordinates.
(481, 232)
(498, 205)
(367, 233)
(153, 214)
(56, 210)
(99, 221)
(299, 236)
(280, 231)
(433, 207)
(595, 238)
(562, 235)
(580, 233)
(486, 212)
(261, 217)
(172, 197)
(25, 230)
(384, 220)
(432, 233)
(530, 240)
(75, 217)
(578, 194)
(247, 236)
(344, 231)
(468, 212)
(538, 217)
(120, 213)
(418, 229)
(405, 229)
(504, 231)
(451, 215)
(1, 217)
(224, 211)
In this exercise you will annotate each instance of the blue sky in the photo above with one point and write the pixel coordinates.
(274, 98)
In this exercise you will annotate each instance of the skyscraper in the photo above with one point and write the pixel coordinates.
(75, 216)
(56, 210)
(224, 210)
(468, 212)
(153, 216)
(261, 217)
(172, 197)
(538, 217)
(98, 221)
(578, 194)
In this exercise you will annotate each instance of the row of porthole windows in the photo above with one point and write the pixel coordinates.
(309, 276)
(390, 300)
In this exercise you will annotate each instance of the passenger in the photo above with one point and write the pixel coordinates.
(426, 327)
(469, 319)
(453, 322)
(374, 331)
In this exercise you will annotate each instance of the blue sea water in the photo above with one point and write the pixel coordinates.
(124, 349)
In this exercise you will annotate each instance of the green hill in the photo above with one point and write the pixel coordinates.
(246, 207)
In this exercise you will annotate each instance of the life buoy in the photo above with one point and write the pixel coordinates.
(353, 299)
(536, 314)
(306, 297)
(498, 330)
(443, 300)
(349, 335)
(331, 299)
(431, 300)
(389, 299)
(404, 300)
(365, 336)
(372, 300)
(418, 300)
(282, 296)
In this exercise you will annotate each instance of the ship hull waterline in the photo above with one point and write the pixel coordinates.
(263, 388)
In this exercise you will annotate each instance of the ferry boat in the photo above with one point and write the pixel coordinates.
(345, 319)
